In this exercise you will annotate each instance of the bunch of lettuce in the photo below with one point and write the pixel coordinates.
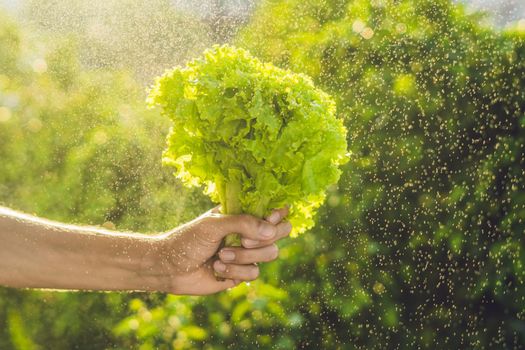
(257, 137)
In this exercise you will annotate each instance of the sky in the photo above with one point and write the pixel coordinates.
(502, 11)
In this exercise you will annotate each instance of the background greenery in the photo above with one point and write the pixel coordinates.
(420, 246)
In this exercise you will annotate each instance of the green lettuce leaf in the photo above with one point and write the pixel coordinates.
(257, 137)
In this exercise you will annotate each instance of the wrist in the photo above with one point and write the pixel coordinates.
(155, 273)
(130, 263)
(151, 274)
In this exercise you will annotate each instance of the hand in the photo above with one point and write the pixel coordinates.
(185, 259)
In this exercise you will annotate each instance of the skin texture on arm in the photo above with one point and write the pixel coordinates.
(38, 253)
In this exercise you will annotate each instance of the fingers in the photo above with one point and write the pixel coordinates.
(283, 230)
(238, 255)
(237, 264)
(236, 272)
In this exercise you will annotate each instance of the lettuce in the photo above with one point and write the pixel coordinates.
(257, 137)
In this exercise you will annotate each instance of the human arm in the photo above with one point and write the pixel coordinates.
(38, 253)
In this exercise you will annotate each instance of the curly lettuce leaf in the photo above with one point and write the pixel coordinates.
(257, 137)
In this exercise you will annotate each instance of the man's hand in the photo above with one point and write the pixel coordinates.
(185, 261)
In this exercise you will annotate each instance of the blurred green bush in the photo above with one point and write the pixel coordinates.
(426, 233)
(77, 145)
(420, 245)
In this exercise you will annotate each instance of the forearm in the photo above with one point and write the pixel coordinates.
(37, 253)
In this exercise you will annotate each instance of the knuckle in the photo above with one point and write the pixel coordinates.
(258, 226)
(247, 222)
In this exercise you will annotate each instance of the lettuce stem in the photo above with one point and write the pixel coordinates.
(232, 206)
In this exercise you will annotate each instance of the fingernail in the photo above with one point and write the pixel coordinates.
(250, 242)
(227, 255)
(288, 227)
(267, 231)
(274, 217)
(219, 266)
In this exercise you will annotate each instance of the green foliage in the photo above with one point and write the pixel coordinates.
(258, 137)
(236, 318)
(77, 145)
(433, 194)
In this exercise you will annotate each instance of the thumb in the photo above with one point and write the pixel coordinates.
(217, 226)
